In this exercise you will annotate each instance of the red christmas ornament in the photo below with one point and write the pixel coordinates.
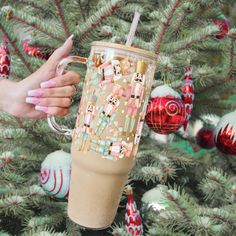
(225, 134)
(165, 111)
(5, 61)
(224, 28)
(205, 138)
(188, 95)
(132, 216)
(33, 51)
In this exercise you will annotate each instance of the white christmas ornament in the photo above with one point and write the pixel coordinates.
(55, 174)
(164, 90)
(225, 134)
(161, 138)
(155, 198)
(227, 122)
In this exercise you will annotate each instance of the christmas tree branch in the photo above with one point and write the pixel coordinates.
(158, 37)
(82, 31)
(62, 17)
(231, 64)
(32, 4)
(207, 7)
(17, 51)
(81, 10)
(217, 187)
(187, 44)
(35, 26)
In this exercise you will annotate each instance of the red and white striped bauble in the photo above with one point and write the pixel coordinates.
(55, 174)
(188, 95)
(4, 60)
(225, 134)
(133, 220)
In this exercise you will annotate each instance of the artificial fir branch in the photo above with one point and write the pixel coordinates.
(81, 10)
(232, 55)
(36, 27)
(32, 4)
(62, 17)
(207, 7)
(88, 8)
(190, 42)
(82, 31)
(158, 38)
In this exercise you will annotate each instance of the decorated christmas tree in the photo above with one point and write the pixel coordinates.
(183, 180)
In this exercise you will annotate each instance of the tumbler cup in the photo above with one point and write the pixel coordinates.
(108, 129)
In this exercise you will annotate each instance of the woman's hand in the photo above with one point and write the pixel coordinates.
(41, 93)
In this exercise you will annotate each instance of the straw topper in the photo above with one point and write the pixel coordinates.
(4, 60)
(225, 134)
(188, 95)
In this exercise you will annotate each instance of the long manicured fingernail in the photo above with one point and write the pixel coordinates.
(35, 93)
(71, 37)
(48, 84)
(32, 100)
(41, 108)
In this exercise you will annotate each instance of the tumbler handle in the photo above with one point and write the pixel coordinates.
(59, 71)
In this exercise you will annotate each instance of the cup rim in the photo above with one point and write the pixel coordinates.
(126, 48)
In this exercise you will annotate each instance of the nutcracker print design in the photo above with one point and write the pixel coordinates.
(110, 121)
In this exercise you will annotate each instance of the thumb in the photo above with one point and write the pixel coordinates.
(59, 53)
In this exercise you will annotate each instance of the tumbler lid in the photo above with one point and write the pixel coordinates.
(125, 48)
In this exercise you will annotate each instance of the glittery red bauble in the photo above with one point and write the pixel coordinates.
(205, 138)
(33, 51)
(225, 134)
(224, 28)
(165, 114)
(4, 61)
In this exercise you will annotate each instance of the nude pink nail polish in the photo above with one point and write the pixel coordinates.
(35, 93)
(48, 84)
(32, 100)
(41, 108)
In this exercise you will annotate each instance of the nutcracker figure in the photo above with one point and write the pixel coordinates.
(107, 112)
(135, 96)
(141, 119)
(87, 122)
(112, 149)
(111, 72)
(98, 58)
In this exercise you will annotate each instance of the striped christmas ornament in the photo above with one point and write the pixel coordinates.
(225, 134)
(55, 174)
(188, 95)
(133, 220)
(4, 60)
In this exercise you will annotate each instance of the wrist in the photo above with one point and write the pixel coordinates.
(7, 91)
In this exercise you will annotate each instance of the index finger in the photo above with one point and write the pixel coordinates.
(69, 78)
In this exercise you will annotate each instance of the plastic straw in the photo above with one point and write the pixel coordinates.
(133, 28)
